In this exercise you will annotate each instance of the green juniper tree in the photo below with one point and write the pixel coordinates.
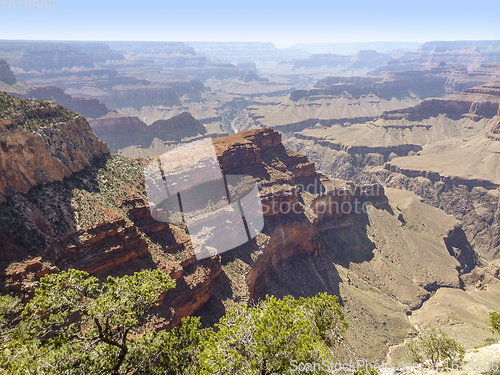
(76, 325)
(435, 346)
(495, 321)
(266, 338)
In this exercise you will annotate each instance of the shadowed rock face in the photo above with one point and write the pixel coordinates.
(177, 127)
(6, 74)
(90, 108)
(120, 131)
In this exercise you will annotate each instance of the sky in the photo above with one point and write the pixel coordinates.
(281, 22)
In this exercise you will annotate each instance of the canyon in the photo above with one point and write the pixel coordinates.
(414, 143)
(96, 218)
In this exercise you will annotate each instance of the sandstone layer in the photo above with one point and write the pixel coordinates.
(444, 149)
(350, 100)
(42, 142)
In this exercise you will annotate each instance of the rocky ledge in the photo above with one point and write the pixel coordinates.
(41, 142)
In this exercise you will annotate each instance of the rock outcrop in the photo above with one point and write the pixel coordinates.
(59, 144)
(181, 126)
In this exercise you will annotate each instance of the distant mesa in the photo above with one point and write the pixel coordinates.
(121, 131)
(160, 48)
(468, 53)
(363, 59)
(250, 65)
(354, 48)
(41, 56)
(87, 107)
(98, 52)
(242, 52)
(339, 100)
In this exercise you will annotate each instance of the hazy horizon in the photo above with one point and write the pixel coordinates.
(282, 23)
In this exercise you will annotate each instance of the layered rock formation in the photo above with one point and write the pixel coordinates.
(469, 53)
(176, 59)
(60, 143)
(40, 56)
(298, 112)
(443, 149)
(121, 131)
(87, 107)
(348, 100)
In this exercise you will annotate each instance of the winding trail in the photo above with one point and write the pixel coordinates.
(401, 344)
(233, 121)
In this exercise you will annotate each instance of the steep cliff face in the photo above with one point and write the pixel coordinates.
(58, 142)
(445, 150)
(6, 74)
